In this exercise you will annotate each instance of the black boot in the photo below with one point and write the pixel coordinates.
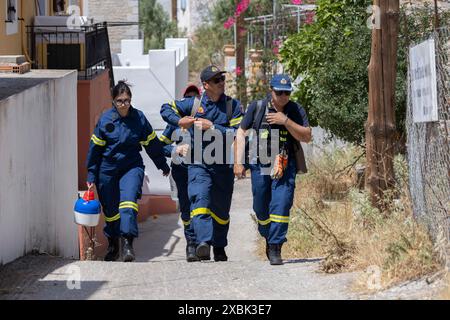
(275, 254)
(190, 252)
(219, 254)
(113, 249)
(203, 251)
(127, 249)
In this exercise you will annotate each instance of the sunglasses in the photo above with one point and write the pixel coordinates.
(125, 102)
(218, 80)
(280, 93)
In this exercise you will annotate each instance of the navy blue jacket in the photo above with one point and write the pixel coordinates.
(117, 142)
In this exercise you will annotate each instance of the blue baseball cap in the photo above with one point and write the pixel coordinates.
(210, 72)
(281, 82)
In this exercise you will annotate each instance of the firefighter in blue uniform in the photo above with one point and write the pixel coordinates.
(273, 190)
(180, 175)
(211, 183)
(116, 168)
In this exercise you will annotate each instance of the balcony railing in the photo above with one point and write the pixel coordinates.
(85, 48)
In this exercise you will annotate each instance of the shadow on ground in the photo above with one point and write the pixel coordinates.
(33, 276)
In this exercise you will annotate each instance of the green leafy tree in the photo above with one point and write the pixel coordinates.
(156, 24)
(209, 39)
(332, 55)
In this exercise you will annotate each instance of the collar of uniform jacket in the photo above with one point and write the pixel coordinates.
(208, 101)
(116, 115)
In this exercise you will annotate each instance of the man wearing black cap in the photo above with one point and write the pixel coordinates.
(210, 183)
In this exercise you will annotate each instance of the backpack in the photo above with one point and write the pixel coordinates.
(299, 155)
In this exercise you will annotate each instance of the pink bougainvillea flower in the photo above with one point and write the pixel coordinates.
(229, 23)
(297, 2)
(276, 50)
(310, 17)
(241, 7)
(238, 71)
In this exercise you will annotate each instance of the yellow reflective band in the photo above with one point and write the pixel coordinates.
(236, 121)
(265, 134)
(199, 211)
(98, 141)
(186, 223)
(112, 219)
(283, 139)
(265, 222)
(279, 219)
(128, 207)
(174, 108)
(129, 204)
(150, 137)
(166, 140)
(220, 221)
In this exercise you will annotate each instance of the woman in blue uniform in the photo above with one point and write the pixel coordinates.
(116, 168)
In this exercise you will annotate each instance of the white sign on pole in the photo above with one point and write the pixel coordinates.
(424, 96)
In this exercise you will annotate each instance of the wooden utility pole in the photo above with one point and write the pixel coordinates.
(380, 126)
(240, 59)
(436, 15)
(174, 12)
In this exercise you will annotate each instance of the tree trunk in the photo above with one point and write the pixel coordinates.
(174, 11)
(380, 126)
(240, 59)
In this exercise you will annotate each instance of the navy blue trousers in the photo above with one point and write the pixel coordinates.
(210, 190)
(118, 193)
(272, 201)
(180, 176)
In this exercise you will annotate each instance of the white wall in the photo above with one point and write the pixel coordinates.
(156, 78)
(38, 170)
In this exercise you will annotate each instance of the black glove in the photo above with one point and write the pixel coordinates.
(165, 169)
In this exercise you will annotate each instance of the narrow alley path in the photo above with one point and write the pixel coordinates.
(161, 271)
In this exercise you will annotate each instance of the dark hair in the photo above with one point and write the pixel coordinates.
(121, 87)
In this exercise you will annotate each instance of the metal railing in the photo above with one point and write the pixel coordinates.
(85, 48)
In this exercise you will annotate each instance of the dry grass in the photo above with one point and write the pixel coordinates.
(446, 292)
(351, 234)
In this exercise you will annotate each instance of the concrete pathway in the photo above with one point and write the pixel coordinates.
(161, 271)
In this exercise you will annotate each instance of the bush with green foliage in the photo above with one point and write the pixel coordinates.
(332, 55)
(156, 25)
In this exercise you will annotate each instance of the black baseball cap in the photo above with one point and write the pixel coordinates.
(210, 72)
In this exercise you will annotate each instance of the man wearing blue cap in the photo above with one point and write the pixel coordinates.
(210, 183)
(273, 183)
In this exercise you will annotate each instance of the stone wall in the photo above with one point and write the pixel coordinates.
(116, 11)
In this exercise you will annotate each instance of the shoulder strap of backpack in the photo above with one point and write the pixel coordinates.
(229, 109)
(259, 113)
(196, 105)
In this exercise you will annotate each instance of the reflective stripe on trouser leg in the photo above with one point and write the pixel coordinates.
(281, 204)
(222, 192)
(262, 193)
(199, 190)
(180, 176)
(109, 194)
(130, 191)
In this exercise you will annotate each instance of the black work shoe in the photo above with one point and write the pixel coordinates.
(127, 249)
(191, 256)
(275, 254)
(203, 251)
(113, 250)
(267, 249)
(219, 254)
